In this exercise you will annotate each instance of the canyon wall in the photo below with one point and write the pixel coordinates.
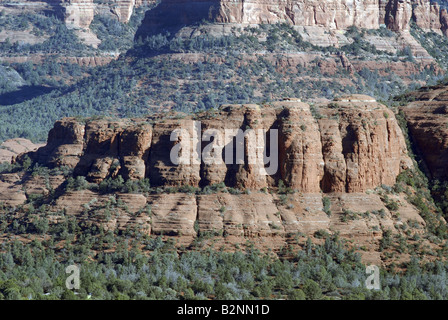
(334, 155)
(334, 14)
(354, 145)
(80, 13)
(427, 120)
(77, 13)
(331, 14)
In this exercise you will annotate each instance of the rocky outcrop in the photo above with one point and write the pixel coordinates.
(335, 14)
(98, 149)
(266, 219)
(13, 147)
(427, 15)
(78, 13)
(426, 116)
(360, 144)
(333, 155)
(444, 21)
(332, 14)
(122, 9)
(398, 15)
(64, 145)
(356, 145)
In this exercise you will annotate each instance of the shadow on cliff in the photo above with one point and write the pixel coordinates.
(172, 15)
(23, 94)
(235, 173)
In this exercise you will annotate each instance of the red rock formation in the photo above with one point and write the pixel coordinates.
(12, 147)
(123, 9)
(427, 15)
(332, 14)
(382, 11)
(159, 166)
(78, 13)
(338, 151)
(355, 147)
(444, 21)
(363, 145)
(300, 148)
(64, 145)
(398, 15)
(427, 121)
(262, 217)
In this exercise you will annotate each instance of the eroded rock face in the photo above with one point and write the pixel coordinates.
(300, 149)
(330, 14)
(444, 21)
(160, 167)
(331, 153)
(363, 145)
(398, 15)
(260, 217)
(13, 147)
(427, 121)
(354, 145)
(334, 14)
(427, 15)
(98, 149)
(78, 13)
(122, 9)
(64, 145)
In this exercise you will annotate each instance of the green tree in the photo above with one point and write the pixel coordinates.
(312, 290)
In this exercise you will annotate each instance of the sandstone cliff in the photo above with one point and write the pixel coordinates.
(13, 147)
(77, 13)
(80, 13)
(356, 145)
(331, 14)
(334, 155)
(427, 120)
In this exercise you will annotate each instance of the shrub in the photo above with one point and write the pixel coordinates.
(327, 205)
(312, 290)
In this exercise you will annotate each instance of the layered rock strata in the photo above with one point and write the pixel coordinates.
(352, 145)
(427, 119)
(333, 155)
(331, 14)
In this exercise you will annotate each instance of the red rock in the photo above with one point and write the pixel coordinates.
(427, 121)
(356, 146)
